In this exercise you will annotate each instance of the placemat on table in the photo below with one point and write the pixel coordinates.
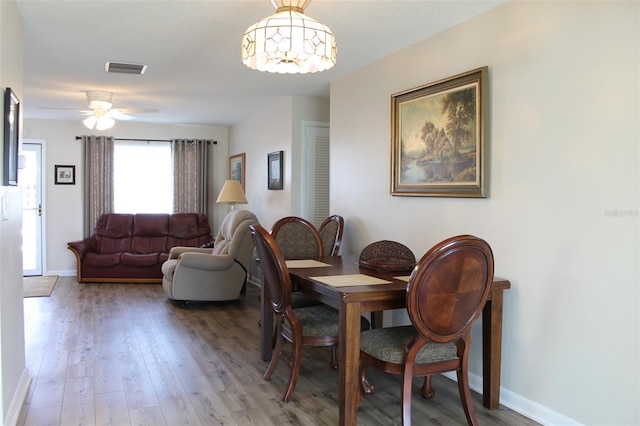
(350, 280)
(305, 263)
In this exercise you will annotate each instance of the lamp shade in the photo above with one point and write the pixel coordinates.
(289, 42)
(231, 193)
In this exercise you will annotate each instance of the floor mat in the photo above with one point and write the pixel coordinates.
(39, 286)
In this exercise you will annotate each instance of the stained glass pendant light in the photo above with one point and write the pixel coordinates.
(289, 42)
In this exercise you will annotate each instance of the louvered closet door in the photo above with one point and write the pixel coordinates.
(317, 173)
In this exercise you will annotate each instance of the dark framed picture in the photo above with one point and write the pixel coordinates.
(438, 142)
(236, 168)
(274, 170)
(65, 175)
(11, 133)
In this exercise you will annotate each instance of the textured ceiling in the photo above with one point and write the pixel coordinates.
(192, 49)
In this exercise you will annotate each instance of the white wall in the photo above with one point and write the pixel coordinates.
(277, 129)
(562, 214)
(13, 374)
(63, 203)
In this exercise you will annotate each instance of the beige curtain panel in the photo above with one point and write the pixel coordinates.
(190, 175)
(97, 157)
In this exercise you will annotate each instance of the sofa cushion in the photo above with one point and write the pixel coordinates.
(133, 259)
(102, 260)
(150, 233)
(113, 233)
(114, 225)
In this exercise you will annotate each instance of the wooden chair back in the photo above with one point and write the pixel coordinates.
(274, 269)
(449, 288)
(297, 238)
(331, 234)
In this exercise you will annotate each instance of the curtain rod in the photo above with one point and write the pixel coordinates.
(141, 140)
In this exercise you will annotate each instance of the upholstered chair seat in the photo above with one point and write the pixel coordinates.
(319, 320)
(389, 345)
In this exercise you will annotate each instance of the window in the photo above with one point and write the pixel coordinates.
(142, 177)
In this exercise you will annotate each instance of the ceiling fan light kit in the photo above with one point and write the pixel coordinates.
(99, 123)
(101, 114)
(99, 99)
(100, 102)
(289, 42)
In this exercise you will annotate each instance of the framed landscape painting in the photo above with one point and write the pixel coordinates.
(438, 141)
(237, 168)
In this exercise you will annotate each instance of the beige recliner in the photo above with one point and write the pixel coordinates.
(199, 274)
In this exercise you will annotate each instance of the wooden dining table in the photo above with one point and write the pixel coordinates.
(352, 298)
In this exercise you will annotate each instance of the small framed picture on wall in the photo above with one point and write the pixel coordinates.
(274, 170)
(65, 175)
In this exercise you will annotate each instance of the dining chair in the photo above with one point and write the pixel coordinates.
(331, 234)
(297, 238)
(312, 325)
(445, 295)
(387, 255)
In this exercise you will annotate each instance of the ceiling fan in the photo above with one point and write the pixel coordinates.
(101, 114)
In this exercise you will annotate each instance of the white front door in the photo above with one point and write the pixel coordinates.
(30, 181)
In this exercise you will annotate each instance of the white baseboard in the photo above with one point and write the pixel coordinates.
(17, 401)
(521, 405)
(62, 273)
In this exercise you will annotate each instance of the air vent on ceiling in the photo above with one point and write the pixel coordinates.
(125, 68)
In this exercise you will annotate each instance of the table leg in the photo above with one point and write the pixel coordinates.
(376, 319)
(491, 350)
(266, 324)
(349, 362)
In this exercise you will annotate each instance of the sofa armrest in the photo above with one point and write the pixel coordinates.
(205, 261)
(81, 248)
(175, 252)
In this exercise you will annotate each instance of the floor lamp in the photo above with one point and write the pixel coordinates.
(232, 193)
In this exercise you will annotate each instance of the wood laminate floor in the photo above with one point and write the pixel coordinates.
(122, 354)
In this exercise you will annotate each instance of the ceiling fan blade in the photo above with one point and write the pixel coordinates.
(66, 109)
(133, 110)
(118, 116)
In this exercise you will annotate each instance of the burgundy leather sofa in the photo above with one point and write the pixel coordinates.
(133, 247)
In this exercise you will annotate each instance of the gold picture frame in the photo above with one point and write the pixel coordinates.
(438, 140)
(237, 168)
